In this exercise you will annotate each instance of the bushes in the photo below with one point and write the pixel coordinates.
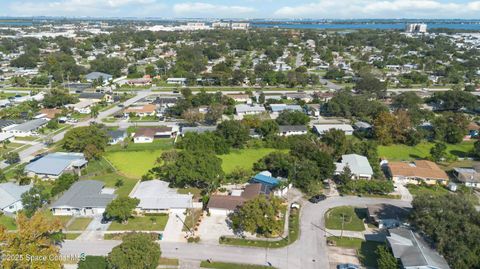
(193, 239)
(363, 186)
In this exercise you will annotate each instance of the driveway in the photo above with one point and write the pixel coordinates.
(94, 230)
(173, 230)
(212, 227)
(308, 252)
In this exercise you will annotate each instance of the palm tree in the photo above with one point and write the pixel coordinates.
(94, 111)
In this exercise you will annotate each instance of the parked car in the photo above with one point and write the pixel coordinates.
(317, 198)
(347, 266)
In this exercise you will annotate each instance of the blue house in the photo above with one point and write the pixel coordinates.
(265, 178)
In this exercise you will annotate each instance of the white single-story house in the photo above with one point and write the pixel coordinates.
(84, 198)
(242, 109)
(359, 166)
(156, 197)
(55, 164)
(320, 129)
(177, 81)
(25, 129)
(116, 136)
(147, 135)
(11, 196)
(288, 130)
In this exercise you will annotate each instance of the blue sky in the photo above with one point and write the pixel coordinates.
(330, 9)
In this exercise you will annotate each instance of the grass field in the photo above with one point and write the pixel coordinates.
(244, 158)
(141, 224)
(8, 222)
(400, 152)
(72, 236)
(418, 190)
(224, 265)
(365, 249)
(133, 164)
(167, 261)
(350, 215)
(79, 224)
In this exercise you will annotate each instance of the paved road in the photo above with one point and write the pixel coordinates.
(26, 154)
(309, 252)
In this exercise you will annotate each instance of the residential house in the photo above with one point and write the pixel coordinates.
(299, 96)
(95, 76)
(278, 108)
(198, 129)
(147, 135)
(412, 251)
(470, 177)
(417, 171)
(156, 197)
(11, 196)
(358, 165)
(84, 198)
(25, 129)
(362, 126)
(55, 164)
(177, 81)
(141, 111)
(240, 98)
(226, 204)
(271, 183)
(6, 123)
(83, 107)
(320, 129)
(6, 137)
(140, 81)
(242, 109)
(116, 136)
(288, 130)
(386, 215)
(49, 113)
(314, 109)
(96, 97)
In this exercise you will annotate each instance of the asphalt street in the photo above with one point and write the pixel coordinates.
(309, 251)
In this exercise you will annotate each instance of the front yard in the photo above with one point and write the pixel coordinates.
(144, 223)
(421, 190)
(79, 224)
(366, 250)
(8, 222)
(224, 265)
(352, 218)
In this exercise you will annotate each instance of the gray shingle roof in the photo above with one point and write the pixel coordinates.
(11, 193)
(84, 193)
(413, 251)
(292, 128)
(55, 163)
(358, 164)
(29, 125)
(242, 108)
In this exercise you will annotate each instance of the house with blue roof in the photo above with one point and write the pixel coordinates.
(55, 164)
(270, 183)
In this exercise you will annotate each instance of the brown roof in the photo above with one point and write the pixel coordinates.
(150, 132)
(420, 169)
(51, 112)
(225, 201)
(473, 126)
(149, 108)
(252, 190)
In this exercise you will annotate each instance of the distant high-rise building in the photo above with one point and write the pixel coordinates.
(416, 28)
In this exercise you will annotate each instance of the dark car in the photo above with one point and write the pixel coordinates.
(105, 219)
(348, 266)
(317, 198)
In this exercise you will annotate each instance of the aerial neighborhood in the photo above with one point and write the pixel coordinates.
(222, 143)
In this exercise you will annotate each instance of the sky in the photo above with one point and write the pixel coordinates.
(313, 9)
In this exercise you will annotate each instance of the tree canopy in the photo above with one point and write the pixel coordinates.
(137, 251)
(91, 140)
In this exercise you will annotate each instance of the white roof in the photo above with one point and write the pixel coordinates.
(322, 128)
(155, 194)
(10, 193)
(242, 108)
(358, 164)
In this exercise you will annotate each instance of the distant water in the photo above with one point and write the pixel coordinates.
(381, 26)
(16, 23)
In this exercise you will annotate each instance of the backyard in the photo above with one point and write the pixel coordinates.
(399, 152)
(243, 158)
(351, 217)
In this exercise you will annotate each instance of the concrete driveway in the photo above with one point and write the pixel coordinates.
(308, 252)
(212, 227)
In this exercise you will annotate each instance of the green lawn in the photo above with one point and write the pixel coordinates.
(244, 158)
(102, 170)
(133, 164)
(72, 236)
(420, 190)
(293, 233)
(141, 224)
(27, 138)
(224, 265)
(399, 152)
(164, 144)
(366, 250)
(8, 222)
(168, 261)
(79, 224)
(352, 218)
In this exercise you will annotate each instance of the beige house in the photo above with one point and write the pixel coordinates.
(417, 172)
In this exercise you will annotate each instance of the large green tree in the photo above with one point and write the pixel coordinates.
(386, 260)
(90, 140)
(137, 251)
(34, 199)
(234, 132)
(121, 208)
(292, 118)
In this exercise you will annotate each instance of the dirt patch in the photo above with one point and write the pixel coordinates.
(342, 255)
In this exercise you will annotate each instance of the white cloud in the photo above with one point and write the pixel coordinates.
(381, 9)
(75, 7)
(200, 9)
